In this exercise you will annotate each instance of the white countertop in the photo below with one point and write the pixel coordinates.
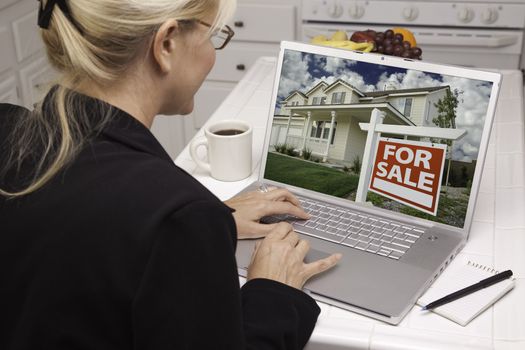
(497, 236)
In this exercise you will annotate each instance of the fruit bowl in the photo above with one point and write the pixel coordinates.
(396, 42)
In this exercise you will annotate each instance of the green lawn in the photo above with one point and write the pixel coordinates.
(296, 172)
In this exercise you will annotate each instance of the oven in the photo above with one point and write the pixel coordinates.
(475, 33)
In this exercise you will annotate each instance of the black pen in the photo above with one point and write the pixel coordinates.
(470, 289)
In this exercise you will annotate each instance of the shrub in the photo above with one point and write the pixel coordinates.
(376, 199)
(289, 150)
(307, 153)
(280, 147)
(356, 165)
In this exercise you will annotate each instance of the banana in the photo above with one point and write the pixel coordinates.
(348, 45)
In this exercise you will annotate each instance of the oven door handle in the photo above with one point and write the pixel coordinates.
(466, 40)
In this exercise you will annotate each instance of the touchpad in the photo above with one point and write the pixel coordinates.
(314, 255)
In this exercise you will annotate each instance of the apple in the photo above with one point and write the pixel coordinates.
(361, 37)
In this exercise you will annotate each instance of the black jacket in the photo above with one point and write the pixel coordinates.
(125, 250)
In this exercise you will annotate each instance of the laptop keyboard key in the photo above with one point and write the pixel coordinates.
(350, 242)
(311, 224)
(322, 228)
(331, 230)
(361, 245)
(300, 222)
(372, 248)
(395, 255)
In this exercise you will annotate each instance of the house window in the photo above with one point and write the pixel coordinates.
(323, 100)
(408, 107)
(321, 130)
(315, 101)
(338, 97)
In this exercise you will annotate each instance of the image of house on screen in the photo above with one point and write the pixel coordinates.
(325, 119)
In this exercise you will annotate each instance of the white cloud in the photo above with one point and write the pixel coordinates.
(295, 73)
(471, 113)
(334, 65)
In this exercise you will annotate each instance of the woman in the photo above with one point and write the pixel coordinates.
(105, 243)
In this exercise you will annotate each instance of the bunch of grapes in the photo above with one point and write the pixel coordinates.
(390, 43)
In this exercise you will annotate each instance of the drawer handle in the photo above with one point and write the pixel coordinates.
(238, 24)
(241, 67)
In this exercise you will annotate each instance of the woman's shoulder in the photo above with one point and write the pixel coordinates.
(9, 113)
(127, 175)
(11, 109)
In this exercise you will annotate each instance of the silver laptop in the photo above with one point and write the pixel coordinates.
(386, 154)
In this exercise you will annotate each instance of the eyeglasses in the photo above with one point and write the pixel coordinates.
(221, 37)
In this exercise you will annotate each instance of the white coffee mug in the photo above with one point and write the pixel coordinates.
(229, 148)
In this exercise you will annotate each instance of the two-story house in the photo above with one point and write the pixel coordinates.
(325, 119)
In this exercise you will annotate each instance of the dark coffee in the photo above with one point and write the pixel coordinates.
(228, 132)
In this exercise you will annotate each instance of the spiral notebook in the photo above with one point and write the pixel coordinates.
(465, 309)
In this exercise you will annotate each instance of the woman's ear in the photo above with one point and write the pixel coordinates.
(164, 45)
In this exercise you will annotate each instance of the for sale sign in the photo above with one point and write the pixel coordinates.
(409, 172)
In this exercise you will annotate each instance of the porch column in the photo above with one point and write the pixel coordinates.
(288, 127)
(330, 134)
(305, 131)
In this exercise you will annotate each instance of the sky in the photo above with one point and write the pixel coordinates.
(302, 71)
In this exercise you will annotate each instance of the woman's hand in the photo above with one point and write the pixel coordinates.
(280, 257)
(252, 206)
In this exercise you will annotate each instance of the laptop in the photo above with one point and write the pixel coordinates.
(386, 154)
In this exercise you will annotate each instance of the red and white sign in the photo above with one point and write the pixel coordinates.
(409, 172)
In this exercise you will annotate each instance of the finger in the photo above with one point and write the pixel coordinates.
(255, 250)
(280, 231)
(292, 237)
(256, 247)
(321, 265)
(302, 248)
(282, 194)
(258, 230)
(272, 208)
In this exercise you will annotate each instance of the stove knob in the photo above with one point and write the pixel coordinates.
(356, 10)
(489, 16)
(335, 10)
(410, 13)
(465, 15)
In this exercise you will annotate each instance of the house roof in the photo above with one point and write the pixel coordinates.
(366, 94)
(404, 91)
(293, 93)
(321, 83)
(340, 81)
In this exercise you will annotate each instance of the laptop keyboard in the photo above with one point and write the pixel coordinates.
(356, 230)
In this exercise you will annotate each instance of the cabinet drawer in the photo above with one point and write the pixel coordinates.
(6, 57)
(5, 3)
(27, 36)
(235, 60)
(8, 91)
(265, 23)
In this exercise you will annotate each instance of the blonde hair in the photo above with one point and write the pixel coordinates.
(108, 36)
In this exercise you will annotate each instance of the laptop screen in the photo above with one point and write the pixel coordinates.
(422, 162)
